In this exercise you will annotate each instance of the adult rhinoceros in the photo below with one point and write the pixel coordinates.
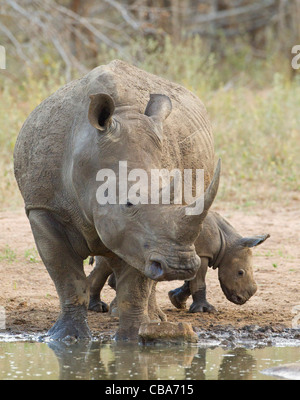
(89, 125)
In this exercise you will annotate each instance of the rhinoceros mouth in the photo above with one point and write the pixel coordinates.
(158, 270)
(237, 298)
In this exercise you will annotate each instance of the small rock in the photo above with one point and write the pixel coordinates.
(251, 328)
(297, 336)
(225, 342)
(167, 332)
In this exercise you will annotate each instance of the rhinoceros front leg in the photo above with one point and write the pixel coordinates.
(154, 311)
(65, 267)
(97, 279)
(133, 291)
(198, 290)
(179, 296)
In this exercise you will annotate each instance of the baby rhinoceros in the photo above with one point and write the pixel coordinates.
(220, 246)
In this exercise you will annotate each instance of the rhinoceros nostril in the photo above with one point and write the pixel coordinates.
(154, 270)
(239, 299)
(155, 266)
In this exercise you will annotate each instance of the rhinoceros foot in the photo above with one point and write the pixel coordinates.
(97, 305)
(157, 315)
(69, 330)
(127, 332)
(178, 298)
(202, 306)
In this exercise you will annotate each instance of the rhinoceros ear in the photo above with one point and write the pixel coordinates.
(101, 110)
(158, 107)
(253, 241)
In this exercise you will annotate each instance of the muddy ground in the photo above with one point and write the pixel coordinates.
(31, 303)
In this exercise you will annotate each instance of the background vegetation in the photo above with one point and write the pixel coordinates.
(234, 54)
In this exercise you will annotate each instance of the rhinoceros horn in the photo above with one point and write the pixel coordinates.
(209, 197)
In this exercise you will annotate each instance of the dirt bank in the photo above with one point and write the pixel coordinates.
(31, 303)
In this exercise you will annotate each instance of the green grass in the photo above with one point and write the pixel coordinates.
(252, 102)
(32, 255)
(17, 100)
(8, 254)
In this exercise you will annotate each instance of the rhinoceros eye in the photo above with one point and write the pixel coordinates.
(131, 209)
(241, 272)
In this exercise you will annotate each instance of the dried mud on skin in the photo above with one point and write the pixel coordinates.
(32, 306)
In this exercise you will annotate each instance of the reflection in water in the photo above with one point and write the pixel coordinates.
(123, 361)
(242, 368)
(108, 361)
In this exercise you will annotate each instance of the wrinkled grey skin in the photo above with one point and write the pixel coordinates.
(219, 246)
(104, 268)
(91, 124)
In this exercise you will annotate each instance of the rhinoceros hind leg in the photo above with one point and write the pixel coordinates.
(65, 266)
(96, 280)
(98, 305)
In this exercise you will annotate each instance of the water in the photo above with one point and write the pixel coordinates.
(21, 360)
